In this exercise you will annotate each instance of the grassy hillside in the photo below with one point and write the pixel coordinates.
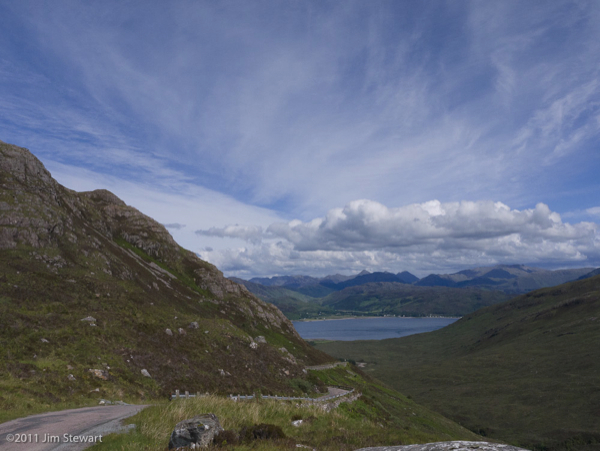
(379, 417)
(385, 298)
(89, 283)
(378, 299)
(292, 303)
(526, 371)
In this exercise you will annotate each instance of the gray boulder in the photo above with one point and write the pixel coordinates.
(447, 446)
(197, 432)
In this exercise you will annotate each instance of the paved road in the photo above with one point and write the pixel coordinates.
(64, 430)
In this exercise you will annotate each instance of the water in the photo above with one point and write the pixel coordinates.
(368, 328)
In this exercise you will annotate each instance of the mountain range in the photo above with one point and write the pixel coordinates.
(403, 294)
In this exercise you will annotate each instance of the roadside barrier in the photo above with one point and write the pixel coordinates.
(187, 395)
(348, 390)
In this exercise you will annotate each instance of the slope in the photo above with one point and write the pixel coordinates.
(385, 298)
(525, 371)
(98, 301)
(293, 304)
(92, 292)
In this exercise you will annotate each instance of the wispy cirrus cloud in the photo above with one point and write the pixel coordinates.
(289, 110)
(253, 234)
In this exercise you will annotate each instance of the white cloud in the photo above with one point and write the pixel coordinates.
(595, 211)
(417, 237)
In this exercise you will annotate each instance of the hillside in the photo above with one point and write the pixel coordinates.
(92, 292)
(409, 300)
(292, 303)
(98, 302)
(525, 371)
(379, 416)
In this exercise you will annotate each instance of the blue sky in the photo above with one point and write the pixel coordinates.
(315, 137)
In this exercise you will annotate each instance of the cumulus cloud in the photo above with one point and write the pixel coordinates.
(430, 236)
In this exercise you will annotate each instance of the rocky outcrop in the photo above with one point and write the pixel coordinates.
(38, 211)
(197, 432)
(448, 446)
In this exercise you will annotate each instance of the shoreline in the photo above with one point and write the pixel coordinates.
(372, 317)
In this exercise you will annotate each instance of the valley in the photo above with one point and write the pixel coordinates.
(403, 294)
(525, 371)
(99, 305)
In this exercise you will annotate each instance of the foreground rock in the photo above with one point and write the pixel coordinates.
(197, 432)
(448, 446)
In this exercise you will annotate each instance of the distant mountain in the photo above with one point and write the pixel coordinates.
(406, 277)
(336, 278)
(512, 279)
(593, 273)
(433, 280)
(287, 281)
(394, 298)
(524, 371)
(367, 278)
(386, 293)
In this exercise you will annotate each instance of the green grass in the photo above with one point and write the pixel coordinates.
(380, 416)
(526, 371)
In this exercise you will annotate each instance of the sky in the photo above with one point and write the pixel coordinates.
(280, 137)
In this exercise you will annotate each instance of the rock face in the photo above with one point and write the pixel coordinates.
(447, 446)
(197, 432)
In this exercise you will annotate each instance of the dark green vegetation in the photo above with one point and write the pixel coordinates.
(87, 282)
(293, 304)
(409, 300)
(402, 294)
(378, 299)
(380, 416)
(526, 371)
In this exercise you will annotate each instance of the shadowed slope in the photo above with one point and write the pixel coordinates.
(526, 371)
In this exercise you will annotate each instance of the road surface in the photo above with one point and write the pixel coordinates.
(66, 430)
